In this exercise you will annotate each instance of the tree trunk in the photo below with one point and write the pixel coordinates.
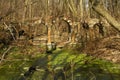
(99, 8)
(81, 9)
(25, 10)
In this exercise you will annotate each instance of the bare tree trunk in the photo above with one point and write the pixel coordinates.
(30, 9)
(81, 9)
(24, 11)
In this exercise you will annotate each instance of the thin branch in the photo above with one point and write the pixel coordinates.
(4, 54)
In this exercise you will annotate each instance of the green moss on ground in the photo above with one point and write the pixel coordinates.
(78, 66)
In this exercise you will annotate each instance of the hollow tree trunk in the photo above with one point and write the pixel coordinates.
(99, 8)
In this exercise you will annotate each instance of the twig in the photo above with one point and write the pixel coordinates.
(4, 54)
(92, 78)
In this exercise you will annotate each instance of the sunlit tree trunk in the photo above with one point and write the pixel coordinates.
(81, 9)
(49, 35)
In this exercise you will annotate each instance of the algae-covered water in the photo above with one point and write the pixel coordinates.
(60, 65)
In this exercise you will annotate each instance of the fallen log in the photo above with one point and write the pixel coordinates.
(98, 7)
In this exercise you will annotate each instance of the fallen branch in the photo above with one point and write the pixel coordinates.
(4, 54)
(10, 31)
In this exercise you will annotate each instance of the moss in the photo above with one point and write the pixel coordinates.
(60, 62)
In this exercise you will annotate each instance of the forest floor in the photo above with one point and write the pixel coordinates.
(31, 63)
(107, 48)
(72, 62)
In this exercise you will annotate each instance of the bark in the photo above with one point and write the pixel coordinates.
(99, 8)
(49, 35)
(81, 8)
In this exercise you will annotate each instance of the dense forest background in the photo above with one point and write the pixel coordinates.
(78, 21)
(22, 10)
(82, 23)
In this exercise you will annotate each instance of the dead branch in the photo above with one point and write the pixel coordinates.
(9, 30)
(5, 53)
